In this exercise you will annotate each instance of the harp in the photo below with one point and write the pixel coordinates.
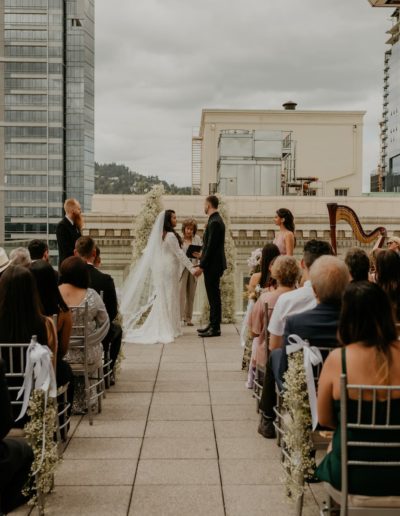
(339, 212)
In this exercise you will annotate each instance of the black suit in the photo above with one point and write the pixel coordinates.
(67, 235)
(15, 455)
(101, 282)
(318, 326)
(213, 262)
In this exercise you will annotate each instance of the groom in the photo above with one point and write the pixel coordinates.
(213, 264)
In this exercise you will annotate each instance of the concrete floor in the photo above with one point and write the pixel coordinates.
(177, 437)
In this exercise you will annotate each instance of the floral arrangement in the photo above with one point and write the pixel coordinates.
(298, 462)
(41, 426)
(228, 279)
(254, 261)
(145, 220)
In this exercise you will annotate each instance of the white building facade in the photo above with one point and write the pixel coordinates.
(317, 152)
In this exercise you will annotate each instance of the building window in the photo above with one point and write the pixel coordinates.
(341, 192)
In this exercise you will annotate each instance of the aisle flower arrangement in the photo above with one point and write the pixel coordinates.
(298, 462)
(39, 432)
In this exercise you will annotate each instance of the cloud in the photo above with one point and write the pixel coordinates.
(160, 62)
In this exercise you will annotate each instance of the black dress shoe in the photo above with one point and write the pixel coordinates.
(266, 428)
(211, 333)
(204, 330)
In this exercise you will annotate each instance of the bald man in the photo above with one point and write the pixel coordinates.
(69, 229)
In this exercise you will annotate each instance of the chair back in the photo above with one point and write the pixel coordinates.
(267, 317)
(14, 355)
(369, 420)
(79, 333)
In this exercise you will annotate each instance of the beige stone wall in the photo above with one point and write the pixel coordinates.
(111, 224)
(329, 143)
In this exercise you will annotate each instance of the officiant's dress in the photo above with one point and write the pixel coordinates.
(163, 324)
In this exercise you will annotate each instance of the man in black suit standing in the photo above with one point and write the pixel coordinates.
(85, 247)
(213, 264)
(69, 229)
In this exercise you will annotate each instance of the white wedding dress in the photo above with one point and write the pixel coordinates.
(154, 284)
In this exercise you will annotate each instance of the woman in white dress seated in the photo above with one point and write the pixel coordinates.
(153, 286)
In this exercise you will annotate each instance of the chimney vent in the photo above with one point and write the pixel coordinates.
(289, 105)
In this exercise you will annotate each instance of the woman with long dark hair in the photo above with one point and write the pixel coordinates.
(285, 239)
(370, 356)
(259, 281)
(20, 313)
(387, 276)
(152, 288)
(53, 303)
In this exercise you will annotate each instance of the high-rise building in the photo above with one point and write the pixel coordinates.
(46, 113)
(387, 178)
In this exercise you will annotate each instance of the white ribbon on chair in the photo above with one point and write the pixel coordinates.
(39, 375)
(312, 357)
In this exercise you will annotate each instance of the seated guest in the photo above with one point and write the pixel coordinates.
(387, 276)
(15, 454)
(53, 304)
(300, 299)
(329, 277)
(20, 256)
(358, 264)
(259, 280)
(101, 282)
(4, 261)
(38, 250)
(394, 244)
(370, 356)
(74, 288)
(97, 259)
(21, 317)
(285, 272)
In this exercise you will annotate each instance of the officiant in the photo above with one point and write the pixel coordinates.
(188, 282)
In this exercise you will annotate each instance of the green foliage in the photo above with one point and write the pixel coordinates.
(144, 222)
(111, 178)
(299, 462)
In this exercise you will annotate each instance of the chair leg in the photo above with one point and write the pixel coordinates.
(100, 389)
(299, 505)
(88, 397)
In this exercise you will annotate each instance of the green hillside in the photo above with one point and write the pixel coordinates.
(111, 178)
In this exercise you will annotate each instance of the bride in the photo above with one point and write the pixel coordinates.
(153, 284)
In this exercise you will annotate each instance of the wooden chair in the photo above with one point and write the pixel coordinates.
(353, 504)
(91, 372)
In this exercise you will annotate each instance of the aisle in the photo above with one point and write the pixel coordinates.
(177, 437)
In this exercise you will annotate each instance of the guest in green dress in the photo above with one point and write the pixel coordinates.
(370, 356)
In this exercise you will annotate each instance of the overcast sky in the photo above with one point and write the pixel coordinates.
(160, 62)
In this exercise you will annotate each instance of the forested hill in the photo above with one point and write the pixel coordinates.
(111, 178)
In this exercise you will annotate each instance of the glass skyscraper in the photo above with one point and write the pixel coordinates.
(46, 113)
(388, 177)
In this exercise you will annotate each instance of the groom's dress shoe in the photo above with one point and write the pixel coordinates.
(204, 330)
(211, 333)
